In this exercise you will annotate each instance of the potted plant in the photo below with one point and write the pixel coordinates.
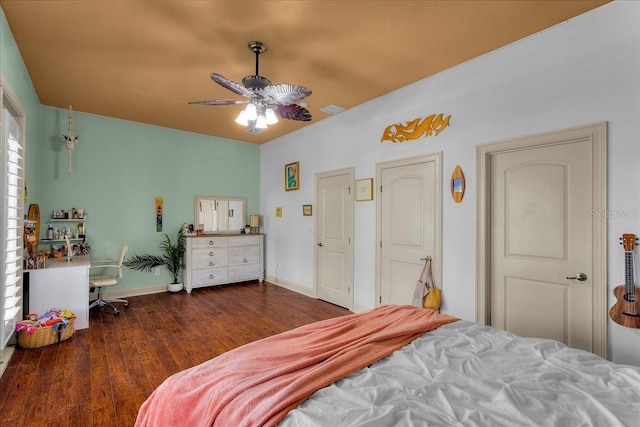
(172, 259)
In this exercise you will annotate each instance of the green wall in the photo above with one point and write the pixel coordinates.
(120, 167)
(15, 73)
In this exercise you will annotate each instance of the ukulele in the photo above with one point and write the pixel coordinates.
(626, 311)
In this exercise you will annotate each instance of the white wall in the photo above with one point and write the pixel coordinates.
(584, 71)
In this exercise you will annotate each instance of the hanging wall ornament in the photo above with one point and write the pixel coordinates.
(70, 141)
(457, 184)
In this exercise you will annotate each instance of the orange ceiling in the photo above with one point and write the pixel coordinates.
(144, 60)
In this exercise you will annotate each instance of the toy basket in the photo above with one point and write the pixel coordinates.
(46, 335)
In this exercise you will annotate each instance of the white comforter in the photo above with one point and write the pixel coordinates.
(463, 374)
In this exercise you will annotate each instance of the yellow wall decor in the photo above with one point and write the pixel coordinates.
(414, 129)
(457, 184)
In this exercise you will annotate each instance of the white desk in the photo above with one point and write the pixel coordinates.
(63, 284)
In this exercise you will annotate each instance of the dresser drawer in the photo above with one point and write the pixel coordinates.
(210, 276)
(244, 240)
(244, 255)
(209, 242)
(209, 257)
(241, 273)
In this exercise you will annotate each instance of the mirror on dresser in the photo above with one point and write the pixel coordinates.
(219, 214)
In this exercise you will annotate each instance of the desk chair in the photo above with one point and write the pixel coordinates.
(99, 282)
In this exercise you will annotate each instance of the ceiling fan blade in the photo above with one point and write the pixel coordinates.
(219, 102)
(293, 112)
(231, 85)
(284, 93)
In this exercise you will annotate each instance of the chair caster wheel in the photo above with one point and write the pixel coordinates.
(116, 311)
(126, 304)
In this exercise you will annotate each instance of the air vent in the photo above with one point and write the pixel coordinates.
(332, 109)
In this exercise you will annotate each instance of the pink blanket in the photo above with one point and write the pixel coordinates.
(258, 383)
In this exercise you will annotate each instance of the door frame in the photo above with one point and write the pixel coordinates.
(597, 133)
(344, 171)
(437, 256)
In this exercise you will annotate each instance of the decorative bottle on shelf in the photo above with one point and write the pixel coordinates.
(50, 233)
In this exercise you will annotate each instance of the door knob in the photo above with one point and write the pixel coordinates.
(580, 277)
(320, 244)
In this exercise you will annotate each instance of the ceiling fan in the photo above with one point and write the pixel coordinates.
(266, 101)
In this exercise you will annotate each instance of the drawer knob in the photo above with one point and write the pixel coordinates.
(211, 263)
(244, 260)
(211, 242)
(210, 253)
(211, 276)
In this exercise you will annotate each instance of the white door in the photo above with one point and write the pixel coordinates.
(334, 237)
(545, 263)
(409, 225)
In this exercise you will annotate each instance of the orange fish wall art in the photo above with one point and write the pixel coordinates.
(430, 125)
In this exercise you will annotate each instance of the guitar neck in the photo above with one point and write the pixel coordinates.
(628, 277)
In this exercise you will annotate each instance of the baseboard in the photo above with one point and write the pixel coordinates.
(292, 286)
(156, 289)
(134, 292)
(5, 357)
(306, 291)
(357, 308)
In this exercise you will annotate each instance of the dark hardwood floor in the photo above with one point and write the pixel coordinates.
(102, 375)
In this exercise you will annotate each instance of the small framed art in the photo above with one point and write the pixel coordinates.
(364, 189)
(292, 176)
(307, 210)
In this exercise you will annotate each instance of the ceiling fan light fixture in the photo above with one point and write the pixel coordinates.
(242, 118)
(251, 111)
(270, 116)
(261, 122)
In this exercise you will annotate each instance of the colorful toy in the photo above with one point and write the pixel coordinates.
(58, 318)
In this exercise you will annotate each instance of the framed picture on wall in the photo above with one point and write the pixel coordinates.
(364, 189)
(292, 176)
(307, 210)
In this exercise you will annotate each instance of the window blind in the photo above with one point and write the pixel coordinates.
(12, 231)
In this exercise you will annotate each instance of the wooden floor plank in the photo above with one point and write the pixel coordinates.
(101, 375)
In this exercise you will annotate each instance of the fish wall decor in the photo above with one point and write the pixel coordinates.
(414, 129)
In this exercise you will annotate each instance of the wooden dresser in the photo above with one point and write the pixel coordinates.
(220, 259)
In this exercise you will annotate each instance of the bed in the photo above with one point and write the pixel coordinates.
(399, 365)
